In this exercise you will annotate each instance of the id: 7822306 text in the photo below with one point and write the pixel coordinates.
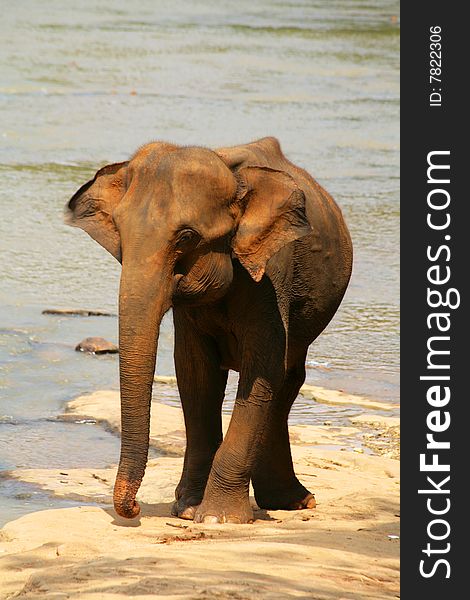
(435, 65)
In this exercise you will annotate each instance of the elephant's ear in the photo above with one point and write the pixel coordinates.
(91, 208)
(273, 215)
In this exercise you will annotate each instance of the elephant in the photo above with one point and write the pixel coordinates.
(254, 257)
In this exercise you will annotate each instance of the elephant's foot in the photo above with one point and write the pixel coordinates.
(190, 489)
(293, 497)
(188, 498)
(185, 507)
(213, 511)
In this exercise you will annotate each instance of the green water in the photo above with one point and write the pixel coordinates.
(86, 83)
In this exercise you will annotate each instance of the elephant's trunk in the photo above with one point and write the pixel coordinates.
(144, 297)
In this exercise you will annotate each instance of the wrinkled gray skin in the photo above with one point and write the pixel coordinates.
(254, 257)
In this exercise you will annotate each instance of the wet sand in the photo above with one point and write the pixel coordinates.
(347, 547)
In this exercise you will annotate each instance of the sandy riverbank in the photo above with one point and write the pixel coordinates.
(345, 548)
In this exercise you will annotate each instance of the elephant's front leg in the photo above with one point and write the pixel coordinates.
(201, 384)
(226, 496)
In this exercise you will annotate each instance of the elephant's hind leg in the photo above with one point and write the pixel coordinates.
(274, 481)
(201, 384)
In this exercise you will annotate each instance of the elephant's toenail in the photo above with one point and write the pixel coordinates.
(210, 519)
(311, 502)
(188, 513)
(235, 519)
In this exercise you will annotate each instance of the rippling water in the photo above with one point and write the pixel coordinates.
(87, 84)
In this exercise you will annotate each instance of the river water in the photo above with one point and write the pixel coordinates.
(86, 84)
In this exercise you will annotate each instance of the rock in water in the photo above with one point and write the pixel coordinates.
(96, 345)
(77, 312)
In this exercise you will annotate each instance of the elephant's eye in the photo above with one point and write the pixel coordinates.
(186, 238)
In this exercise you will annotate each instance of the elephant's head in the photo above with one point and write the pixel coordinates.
(176, 217)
